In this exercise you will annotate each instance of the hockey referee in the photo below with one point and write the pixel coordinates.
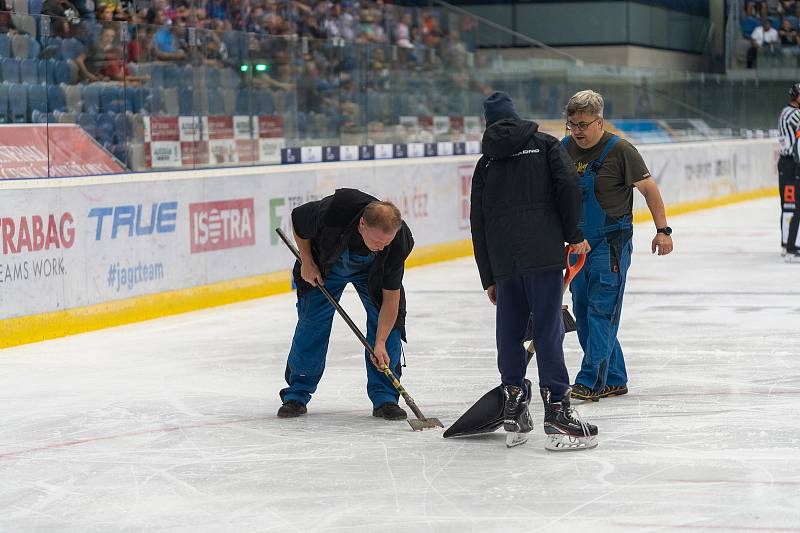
(788, 174)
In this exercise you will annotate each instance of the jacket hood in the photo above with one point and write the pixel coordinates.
(507, 137)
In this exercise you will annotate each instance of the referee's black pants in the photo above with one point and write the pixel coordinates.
(789, 188)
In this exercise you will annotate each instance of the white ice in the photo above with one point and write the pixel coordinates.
(170, 424)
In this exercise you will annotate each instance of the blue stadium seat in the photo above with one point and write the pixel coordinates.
(3, 103)
(56, 101)
(29, 71)
(35, 7)
(9, 67)
(185, 102)
(776, 22)
(62, 71)
(122, 128)
(37, 98)
(244, 102)
(72, 48)
(213, 76)
(41, 67)
(18, 103)
(157, 75)
(185, 76)
(111, 99)
(748, 24)
(153, 101)
(174, 76)
(34, 48)
(265, 103)
(91, 98)
(105, 129)
(216, 104)
(88, 122)
(133, 99)
(51, 47)
(41, 117)
(793, 21)
(5, 45)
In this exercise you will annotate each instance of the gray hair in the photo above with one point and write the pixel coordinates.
(587, 101)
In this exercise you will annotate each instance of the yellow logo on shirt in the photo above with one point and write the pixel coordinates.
(581, 166)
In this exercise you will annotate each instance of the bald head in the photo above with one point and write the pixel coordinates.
(383, 216)
(379, 225)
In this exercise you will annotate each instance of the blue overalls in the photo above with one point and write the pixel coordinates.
(598, 288)
(314, 318)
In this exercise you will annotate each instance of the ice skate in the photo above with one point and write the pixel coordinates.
(516, 415)
(563, 428)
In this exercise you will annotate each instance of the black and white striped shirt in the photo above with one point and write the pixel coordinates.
(789, 124)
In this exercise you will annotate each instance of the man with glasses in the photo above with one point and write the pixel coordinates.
(609, 169)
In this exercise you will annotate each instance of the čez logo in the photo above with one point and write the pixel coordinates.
(136, 219)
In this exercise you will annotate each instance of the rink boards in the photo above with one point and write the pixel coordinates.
(85, 253)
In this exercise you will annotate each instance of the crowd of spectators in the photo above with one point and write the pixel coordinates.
(336, 66)
(770, 28)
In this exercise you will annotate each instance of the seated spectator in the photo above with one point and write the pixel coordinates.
(764, 39)
(92, 62)
(370, 32)
(403, 32)
(787, 34)
(755, 8)
(309, 25)
(790, 7)
(6, 24)
(217, 9)
(216, 53)
(282, 79)
(66, 17)
(166, 45)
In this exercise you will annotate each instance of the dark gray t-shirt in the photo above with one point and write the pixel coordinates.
(622, 168)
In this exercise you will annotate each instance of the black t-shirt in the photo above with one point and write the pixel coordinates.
(306, 220)
(613, 184)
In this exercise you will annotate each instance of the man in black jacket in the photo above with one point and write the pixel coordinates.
(348, 237)
(525, 205)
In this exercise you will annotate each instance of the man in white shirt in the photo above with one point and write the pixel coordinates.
(765, 39)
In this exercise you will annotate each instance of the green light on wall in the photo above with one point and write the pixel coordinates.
(244, 68)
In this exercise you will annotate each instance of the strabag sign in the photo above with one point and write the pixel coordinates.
(221, 224)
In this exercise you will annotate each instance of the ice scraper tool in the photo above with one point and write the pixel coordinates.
(422, 422)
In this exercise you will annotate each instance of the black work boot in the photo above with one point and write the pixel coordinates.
(389, 411)
(291, 409)
(582, 392)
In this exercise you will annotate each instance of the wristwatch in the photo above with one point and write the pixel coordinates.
(666, 230)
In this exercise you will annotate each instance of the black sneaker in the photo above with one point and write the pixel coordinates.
(291, 409)
(613, 390)
(516, 415)
(582, 392)
(390, 411)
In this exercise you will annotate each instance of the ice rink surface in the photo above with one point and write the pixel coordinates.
(170, 425)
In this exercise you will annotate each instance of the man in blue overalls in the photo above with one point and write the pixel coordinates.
(348, 237)
(609, 169)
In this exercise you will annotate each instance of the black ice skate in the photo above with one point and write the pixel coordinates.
(516, 415)
(563, 428)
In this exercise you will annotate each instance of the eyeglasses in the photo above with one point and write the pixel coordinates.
(580, 126)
